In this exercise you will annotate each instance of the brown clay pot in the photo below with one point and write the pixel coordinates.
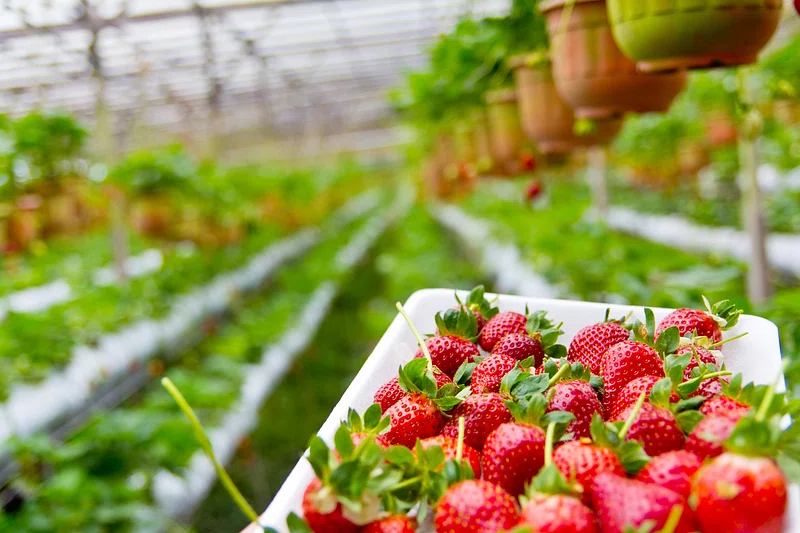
(24, 225)
(505, 130)
(61, 214)
(720, 129)
(591, 73)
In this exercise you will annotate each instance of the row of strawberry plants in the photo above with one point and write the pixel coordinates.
(587, 261)
(109, 465)
(415, 254)
(33, 345)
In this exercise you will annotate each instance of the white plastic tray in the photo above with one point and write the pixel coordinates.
(757, 356)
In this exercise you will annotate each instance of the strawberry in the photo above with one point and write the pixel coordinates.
(672, 470)
(631, 392)
(552, 505)
(624, 504)
(723, 405)
(520, 346)
(449, 352)
(418, 415)
(624, 362)
(590, 343)
(655, 428)
(453, 345)
(701, 356)
(322, 513)
(628, 360)
(475, 506)
(482, 413)
(513, 455)
(709, 323)
(575, 396)
(499, 326)
(490, 372)
(581, 461)
(450, 448)
(738, 494)
(391, 392)
(392, 524)
(797, 6)
(707, 437)
(537, 326)
(533, 191)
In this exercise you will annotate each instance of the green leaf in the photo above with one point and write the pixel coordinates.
(319, 457)
(372, 416)
(400, 456)
(344, 442)
(661, 392)
(687, 420)
(632, 456)
(297, 524)
(668, 341)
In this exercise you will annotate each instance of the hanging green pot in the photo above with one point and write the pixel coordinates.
(505, 130)
(591, 73)
(677, 34)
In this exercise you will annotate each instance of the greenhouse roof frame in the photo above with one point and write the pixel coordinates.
(174, 62)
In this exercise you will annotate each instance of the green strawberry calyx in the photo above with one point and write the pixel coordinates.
(547, 332)
(476, 301)
(724, 313)
(527, 402)
(459, 322)
(668, 340)
(562, 370)
(623, 321)
(418, 377)
(550, 480)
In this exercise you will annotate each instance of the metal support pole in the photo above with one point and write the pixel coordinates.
(596, 176)
(758, 287)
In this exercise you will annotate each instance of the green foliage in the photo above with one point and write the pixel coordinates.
(48, 140)
(157, 171)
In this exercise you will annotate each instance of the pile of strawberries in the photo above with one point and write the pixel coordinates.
(633, 428)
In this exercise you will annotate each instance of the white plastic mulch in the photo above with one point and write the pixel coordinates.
(501, 261)
(783, 250)
(178, 494)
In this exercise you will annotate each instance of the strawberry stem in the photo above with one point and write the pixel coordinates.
(420, 340)
(548, 444)
(726, 341)
(623, 432)
(205, 444)
(460, 445)
(673, 519)
(763, 409)
(558, 375)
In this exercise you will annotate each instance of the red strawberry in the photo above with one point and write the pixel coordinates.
(707, 437)
(534, 190)
(315, 502)
(631, 392)
(391, 392)
(722, 405)
(414, 417)
(672, 470)
(624, 504)
(709, 387)
(576, 396)
(520, 346)
(655, 428)
(358, 438)
(557, 513)
(482, 413)
(738, 494)
(581, 461)
(513, 455)
(479, 305)
(591, 342)
(490, 372)
(797, 6)
(623, 363)
(450, 448)
(448, 352)
(709, 323)
(501, 325)
(475, 506)
(393, 524)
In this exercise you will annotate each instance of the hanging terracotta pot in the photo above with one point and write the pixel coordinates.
(61, 214)
(590, 71)
(547, 119)
(152, 216)
(678, 34)
(505, 130)
(24, 225)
